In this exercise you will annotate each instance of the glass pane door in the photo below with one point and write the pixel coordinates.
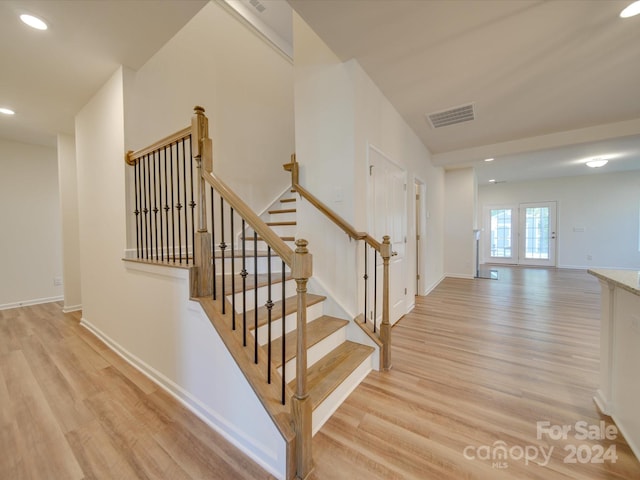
(499, 237)
(538, 234)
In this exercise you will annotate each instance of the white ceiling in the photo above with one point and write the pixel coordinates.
(553, 82)
(47, 76)
(543, 75)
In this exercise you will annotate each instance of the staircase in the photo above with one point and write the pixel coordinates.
(335, 365)
(250, 275)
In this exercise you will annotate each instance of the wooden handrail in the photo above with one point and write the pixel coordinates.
(132, 157)
(254, 221)
(383, 248)
(330, 214)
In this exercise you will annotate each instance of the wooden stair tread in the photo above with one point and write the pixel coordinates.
(283, 210)
(330, 371)
(282, 224)
(286, 239)
(287, 200)
(317, 330)
(291, 306)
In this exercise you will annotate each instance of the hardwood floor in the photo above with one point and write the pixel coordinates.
(70, 408)
(478, 362)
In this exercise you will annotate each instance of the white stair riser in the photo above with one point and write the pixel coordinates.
(283, 217)
(285, 230)
(263, 294)
(313, 312)
(262, 264)
(316, 352)
(323, 412)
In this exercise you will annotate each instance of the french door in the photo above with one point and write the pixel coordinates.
(523, 234)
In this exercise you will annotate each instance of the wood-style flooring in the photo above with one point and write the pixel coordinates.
(71, 409)
(475, 366)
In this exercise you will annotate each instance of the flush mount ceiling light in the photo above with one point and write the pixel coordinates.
(6, 111)
(631, 10)
(33, 22)
(597, 163)
(489, 159)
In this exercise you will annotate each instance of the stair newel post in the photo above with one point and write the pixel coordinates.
(294, 169)
(202, 153)
(385, 326)
(301, 407)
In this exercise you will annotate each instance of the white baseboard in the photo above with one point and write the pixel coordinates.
(195, 406)
(635, 448)
(27, 303)
(71, 308)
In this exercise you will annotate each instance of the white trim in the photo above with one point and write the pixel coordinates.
(635, 448)
(181, 272)
(213, 420)
(71, 308)
(28, 303)
(459, 275)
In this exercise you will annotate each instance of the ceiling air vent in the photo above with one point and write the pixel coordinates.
(451, 116)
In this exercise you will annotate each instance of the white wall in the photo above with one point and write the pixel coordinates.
(252, 127)
(606, 206)
(246, 88)
(30, 238)
(68, 180)
(460, 208)
(340, 112)
(380, 125)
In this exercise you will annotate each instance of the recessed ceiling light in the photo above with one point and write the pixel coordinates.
(7, 111)
(489, 159)
(33, 22)
(493, 180)
(631, 10)
(597, 163)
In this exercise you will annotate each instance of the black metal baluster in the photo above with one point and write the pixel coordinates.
(173, 219)
(192, 204)
(148, 193)
(284, 331)
(144, 208)
(223, 247)
(186, 223)
(136, 171)
(243, 274)
(213, 246)
(366, 282)
(375, 289)
(269, 306)
(155, 203)
(233, 272)
(166, 199)
(159, 167)
(255, 297)
(178, 205)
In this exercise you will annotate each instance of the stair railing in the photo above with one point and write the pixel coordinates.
(175, 189)
(383, 249)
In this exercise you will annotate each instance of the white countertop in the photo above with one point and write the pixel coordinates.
(627, 279)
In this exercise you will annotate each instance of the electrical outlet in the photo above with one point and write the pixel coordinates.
(57, 281)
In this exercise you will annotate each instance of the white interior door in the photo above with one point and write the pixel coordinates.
(388, 200)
